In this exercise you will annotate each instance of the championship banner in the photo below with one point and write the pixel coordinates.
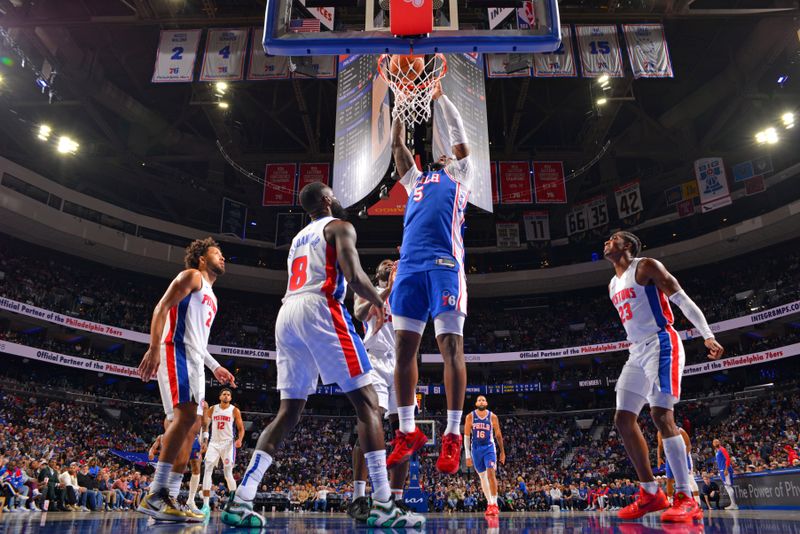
(576, 220)
(515, 182)
(596, 211)
(647, 50)
(224, 57)
(537, 225)
(549, 183)
(493, 175)
(263, 66)
(712, 183)
(496, 66)
(629, 199)
(754, 185)
(313, 172)
(598, 48)
(561, 62)
(177, 52)
(279, 184)
(507, 234)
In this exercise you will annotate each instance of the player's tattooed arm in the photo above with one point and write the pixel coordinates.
(403, 159)
(343, 236)
(498, 437)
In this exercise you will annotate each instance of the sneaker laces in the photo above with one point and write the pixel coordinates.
(450, 447)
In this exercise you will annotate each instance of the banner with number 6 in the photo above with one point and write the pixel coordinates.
(629, 199)
(599, 49)
(224, 57)
(177, 52)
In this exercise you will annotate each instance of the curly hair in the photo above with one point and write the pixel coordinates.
(633, 241)
(196, 250)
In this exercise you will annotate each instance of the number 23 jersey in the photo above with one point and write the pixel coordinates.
(312, 264)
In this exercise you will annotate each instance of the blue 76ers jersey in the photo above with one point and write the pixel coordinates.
(481, 430)
(433, 227)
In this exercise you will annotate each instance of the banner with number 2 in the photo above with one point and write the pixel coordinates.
(177, 51)
(224, 57)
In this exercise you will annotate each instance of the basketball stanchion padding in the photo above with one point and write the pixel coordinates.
(411, 17)
(412, 80)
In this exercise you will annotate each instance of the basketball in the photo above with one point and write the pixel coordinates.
(409, 67)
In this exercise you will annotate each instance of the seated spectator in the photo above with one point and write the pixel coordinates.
(709, 492)
(94, 498)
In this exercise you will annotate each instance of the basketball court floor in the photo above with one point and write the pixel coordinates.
(567, 522)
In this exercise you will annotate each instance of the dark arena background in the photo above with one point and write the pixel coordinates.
(131, 128)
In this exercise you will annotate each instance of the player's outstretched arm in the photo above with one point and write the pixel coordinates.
(455, 125)
(653, 271)
(344, 236)
(498, 437)
(186, 282)
(403, 159)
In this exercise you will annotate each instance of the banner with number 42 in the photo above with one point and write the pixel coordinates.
(629, 199)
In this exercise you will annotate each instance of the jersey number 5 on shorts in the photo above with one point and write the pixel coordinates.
(298, 275)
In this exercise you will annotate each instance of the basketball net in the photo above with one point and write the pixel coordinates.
(412, 98)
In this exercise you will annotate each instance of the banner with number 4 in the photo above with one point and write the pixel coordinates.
(224, 57)
(629, 199)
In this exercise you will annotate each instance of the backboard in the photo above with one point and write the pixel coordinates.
(306, 27)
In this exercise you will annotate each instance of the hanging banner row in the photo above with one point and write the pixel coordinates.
(224, 57)
(283, 181)
(599, 51)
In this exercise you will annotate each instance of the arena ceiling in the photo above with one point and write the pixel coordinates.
(152, 148)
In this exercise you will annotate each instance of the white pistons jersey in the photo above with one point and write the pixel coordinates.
(221, 424)
(312, 264)
(189, 322)
(643, 310)
(380, 342)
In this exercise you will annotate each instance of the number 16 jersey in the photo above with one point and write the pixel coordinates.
(312, 264)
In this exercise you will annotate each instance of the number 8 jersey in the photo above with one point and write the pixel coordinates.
(643, 310)
(312, 264)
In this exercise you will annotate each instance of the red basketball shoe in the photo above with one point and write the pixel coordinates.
(450, 455)
(404, 445)
(644, 504)
(684, 509)
(492, 510)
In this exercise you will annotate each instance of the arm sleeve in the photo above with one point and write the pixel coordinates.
(467, 449)
(409, 178)
(452, 118)
(693, 313)
(210, 362)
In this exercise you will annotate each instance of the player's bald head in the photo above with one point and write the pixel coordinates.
(312, 196)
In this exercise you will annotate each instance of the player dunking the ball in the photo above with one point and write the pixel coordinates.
(219, 419)
(481, 430)
(315, 337)
(641, 291)
(178, 350)
(430, 282)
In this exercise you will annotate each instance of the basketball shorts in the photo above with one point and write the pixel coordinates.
(195, 454)
(654, 366)
(423, 295)
(484, 457)
(181, 377)
(383, 380)
(689, 464)
(223, 450)
(315, 337)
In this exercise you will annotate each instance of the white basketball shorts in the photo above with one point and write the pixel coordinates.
(654, 366)
(315, 336)
(220, 450)
(383, 380)
(181, 377)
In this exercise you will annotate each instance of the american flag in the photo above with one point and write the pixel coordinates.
(304, 25)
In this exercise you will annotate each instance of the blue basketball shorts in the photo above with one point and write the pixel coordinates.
(484, 457)
(422, 295)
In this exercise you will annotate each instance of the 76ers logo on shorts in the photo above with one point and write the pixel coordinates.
(448, 300)
(491, 464)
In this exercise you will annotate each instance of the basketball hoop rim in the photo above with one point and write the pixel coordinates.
(411, 86)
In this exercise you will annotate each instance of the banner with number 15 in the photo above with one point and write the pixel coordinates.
(224, 57)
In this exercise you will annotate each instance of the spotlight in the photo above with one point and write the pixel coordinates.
(788, 119)
(761, 137)
(220, 88)
(66, 145)
(44, 132)
(771, 135)
(601, 101)
(603, 79)
(362, 213)
(782, 79)
(223, 105)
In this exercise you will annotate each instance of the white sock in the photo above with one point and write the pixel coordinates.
(206, 500)
(376, 465)
(649, 487)
(453, 422)
(193, 483)
(161, 477)
(675, 451)
(406, 416)
(493, 499)
(259, 464)
(730, 494)
(175, 480)
(359, 489)
(397, 494)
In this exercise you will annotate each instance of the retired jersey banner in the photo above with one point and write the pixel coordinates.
(279, 184)
(515, 182)
(712, 183)
(647, 50)
(263, 66)
(596, 212)
(537, 225)
(177, 52)
(507, 234)
(576, 220)
(313, 172)
(549, 183)
(629, 199)
(493, 175)
(598, 47)
(559, 63)
(224, 57)
(497, 64)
